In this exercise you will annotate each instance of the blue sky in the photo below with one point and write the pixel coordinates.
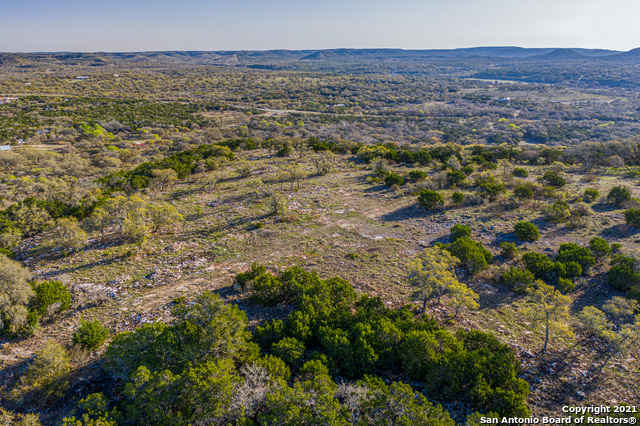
(137, 25)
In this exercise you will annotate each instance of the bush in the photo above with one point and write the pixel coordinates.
(455, 177)
(471, 253)
(632, 217)
(49, 293)
(520, 172)
(518, 279)
(540, 265)
(393, 179)
(559, 211)
(90, 335)
(523, 192)
(430, 199)
(591, 194)
(48, 373)
(290, 350)
(618, 195)
(554, 179)
(526, 231)
(571, 252)
(418, 175)
(600, 248)
(509, 250)
(622, 275)
(457, 197)
(458, 230)
(565, 285)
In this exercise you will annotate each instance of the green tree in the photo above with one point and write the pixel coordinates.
(48, 373)
(599, 248)
(548, 306)
(432, 273)
(163, 214)
(51, 294)
(526, 231)
(618, 195)
(430, 199)
(15, 295)
(462, 297)
(90, 335)
(65, 233)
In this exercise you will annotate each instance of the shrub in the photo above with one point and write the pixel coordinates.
(540, 265)
(430, 199)
(523, 192)
(559, 211)
(290, 350)
(90, 334)
(467, 170)
(48, 372)
(49, 293)
(591, 194)
(15, 295)
(526, 231)
(622, 275)
(457, 197)
(509, 250)
(276, 367)
(246, 279)
(600, 248)
(632, 217)
(455, 177)
(418, 175)
(571, 252)
(618, 195)
(471, 253)
(554, 179)
(520, 172)
(458, 230)
(393, 179)
(565, 285)
(518, 279)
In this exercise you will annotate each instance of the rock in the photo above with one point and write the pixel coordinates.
(580, 394)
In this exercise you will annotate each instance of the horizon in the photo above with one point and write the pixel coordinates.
(250, 25)
(318, 50)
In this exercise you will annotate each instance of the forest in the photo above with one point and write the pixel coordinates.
(332, 237)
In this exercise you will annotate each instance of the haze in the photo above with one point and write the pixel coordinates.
(139, 25)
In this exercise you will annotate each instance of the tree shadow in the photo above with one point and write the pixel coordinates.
(375, 189)
(621, 230)
(72, 269)
(409, 212)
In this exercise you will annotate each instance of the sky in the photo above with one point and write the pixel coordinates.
(147, 25)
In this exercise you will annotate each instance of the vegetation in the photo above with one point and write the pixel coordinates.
(133, 200)
(526, 231)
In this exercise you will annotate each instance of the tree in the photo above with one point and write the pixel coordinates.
(433, 272)
(632, 217)
(31, 220)
(48, 373)
(618, 195)
(554, 179)
(163, 214)
(548, 306)
(10, 236)
(50, 294)
(462, 297)
(615, 324)
(15, 294)
(526, 231)
(430, 199)
(65, 233)
(471, 253)
(162, 178)
(90, 335)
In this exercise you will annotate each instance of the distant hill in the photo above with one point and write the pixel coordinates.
(561, 55)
